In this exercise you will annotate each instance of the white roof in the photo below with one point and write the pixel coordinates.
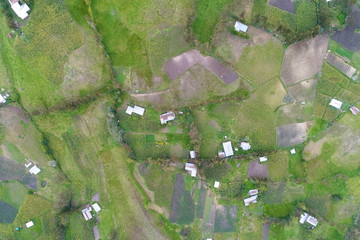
(263, 159)
(292, 151)
(245, 146)
(240, 27)
(303, 218)
(86, 212)
(217, 184)
(138, 110)
(35, 170)
(192, 154)
(253, 192)
(129, 110)
(29, 224)
(249, 200)
(21, 11)
(228, 149)
(27, 165)
(96, 207)
(354, 110)
(313, 221)
(2, 99)
(166, 117)
(335, 103)
(191, 168)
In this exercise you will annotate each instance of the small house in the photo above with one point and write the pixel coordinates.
(2, 99)
(263, 159)
(292, 151)
(228, 149)
(335, 103)
(221, 154)
(190, 167)
(192, 154)
(166, 117)
(20, 10)
(216, 184)
(249, 200)
(96, 207)
(354, 110)
(253, 192)
(29, 224)
(35, 170)
(306, 218)
(240, 27)
(86, 212)
(245, 146)
(136, 109)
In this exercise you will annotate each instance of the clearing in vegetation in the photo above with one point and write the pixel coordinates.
(292, 134)
(304, 59)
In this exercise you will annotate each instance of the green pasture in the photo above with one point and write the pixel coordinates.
(258, 10)
(277, 17)
(353, 58)
(15, 153)
(306, 18)
(13, 193)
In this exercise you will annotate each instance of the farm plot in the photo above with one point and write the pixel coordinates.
(286, 5)
(292, 134)
(14, 193)
(278, 165)
(304, 90)
(274, 193)
(229, 47)
(225, 218)
(340, 64)
(294, 113)
(257, 170)
(304, 59)
(7, 213)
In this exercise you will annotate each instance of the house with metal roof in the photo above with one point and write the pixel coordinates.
(335, 103)
(190, 167)
(228, 149)
(240, 27)
(166, 117)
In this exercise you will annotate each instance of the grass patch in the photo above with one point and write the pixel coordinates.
(278, 166)
(306, 18)
(15, 153)
(258, 10)
(282, 210)
(14, 194)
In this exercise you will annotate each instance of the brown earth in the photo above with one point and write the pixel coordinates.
(292, 134)
(257, 170)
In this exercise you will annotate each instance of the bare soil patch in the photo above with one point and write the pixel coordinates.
(286, 5)
(229, 47)
(291, 134)
(340, 64)
(265, 231)
(215, 125)
(304, 59)
(179, 189)
(304, 90)
(257, 170)
(258, 36)
(95, 197)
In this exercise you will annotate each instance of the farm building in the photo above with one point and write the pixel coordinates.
(136, 109)
(292, 151)
(96, 207)
(192, 154)
(86, 212)
(20, 10)
(335, 103)
(228, 149)
(190, 167)
(245, 146)
(249, 200)
(263, 159)
(29, 224)
(166, 117)
(2, 99)
(35, 170)
(240, 27)
(308, 219)
(253, 192)
(216, 184)
(354, 110)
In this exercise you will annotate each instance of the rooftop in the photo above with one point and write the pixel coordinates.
(191, 168)
(253, 192)
(354, 110)
(96, 207)
(86, 212)
(335, 103)
(240, 27)
(216, 184)
(166, 117)
(228, 149)
(29, 224)
(245, 146)
(35, 170)
(263, 159)
(192, 154)
(249, 200)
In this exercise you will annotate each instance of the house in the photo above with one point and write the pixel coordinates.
(354, 110)
(292, 151)
(263, 159)
(221, 154)
(96, 207)
(192, 154)
(190, 167)
(20, 10)
(228, 149)
(29, 224)
(253, 192)
(335, 103)
(308, 219)
(166, 117)
(240, 27)
(249, 200)
(35, 170)
(216, 184)
(136, 109)
(245, 146)
(2, 99)
(86, 212)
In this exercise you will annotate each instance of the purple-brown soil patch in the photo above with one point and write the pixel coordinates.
(257, 170)
(265, 231)
(179, 189)
(96, 233)
(96, 197)
(286, 5)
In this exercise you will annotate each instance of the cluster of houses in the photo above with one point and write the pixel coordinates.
(164, 118)
(34, 169)
(337, 104)
(20, 10)
(86, 212)
(308, 220)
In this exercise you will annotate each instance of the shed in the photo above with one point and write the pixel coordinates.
(221, 154)
(253, 192)
(216, 184)
(293, 151)
(35, 170)
(29, 224)
(192, 154)
(96, 207)
(129, 110)
(20, 10)
(240, 27)
(249, 200)
(354, 110)
(86, 212)
(2, 99)
(303, 218)
(166, 117)
(335, 103)
(245, 146)
(313, 221)
(228, 149)
(138, 110)
(263, 159)
(190, 167)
